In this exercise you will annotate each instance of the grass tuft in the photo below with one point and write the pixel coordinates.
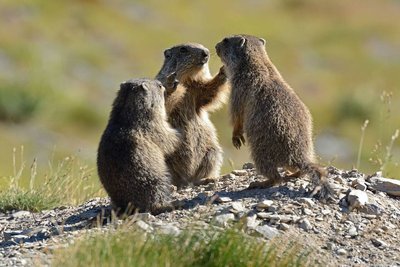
(67, 183)
(191, 248)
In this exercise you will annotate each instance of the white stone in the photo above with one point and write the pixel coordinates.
(265, 204)
(170, 229)
(357, 199)
(142, 225)
(224, 199)
(21, 214)
(252, 222)
(238, 206)
(305, 225)
(223, 219)
(267, 231)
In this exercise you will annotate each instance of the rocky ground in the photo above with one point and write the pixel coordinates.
(361, 227)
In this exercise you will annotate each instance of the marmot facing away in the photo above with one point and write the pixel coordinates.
(131, 155)
(199, 155)
(277, 124)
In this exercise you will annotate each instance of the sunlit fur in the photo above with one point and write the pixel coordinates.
(131, 155)
(200, 155)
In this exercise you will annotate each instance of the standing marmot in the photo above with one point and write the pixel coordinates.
(199, 155)
(277, 124)
(131, 154)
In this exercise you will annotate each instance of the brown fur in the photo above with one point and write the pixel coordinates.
(277, 124)
(199, 157)
(131, 155)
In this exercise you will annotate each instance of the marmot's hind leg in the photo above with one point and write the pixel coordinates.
(209, 167)
(292, 172)
(273, 176)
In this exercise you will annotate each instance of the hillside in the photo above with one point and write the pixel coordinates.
(61, 64)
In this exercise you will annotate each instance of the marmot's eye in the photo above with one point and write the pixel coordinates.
(183, 50)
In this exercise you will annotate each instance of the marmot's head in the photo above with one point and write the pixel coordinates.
(237, 49)
(138, 100)
(187, 60)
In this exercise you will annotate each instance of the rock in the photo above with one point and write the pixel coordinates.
(267, 231)
(248, 166)
(265, 204)
(251, 221)
(169, 229)
(371, 209)
(145, 216)
(237, 207)
(263, 215)
(378, 243)
(287, 218)
(305, 224)
(386, 185)
(223, 199)
(325, 211)
(339, 180)
(142, 225)
(359, 184)
(283, 226)
(308, 201)
(223, 219)
(352, 231)
(341, 251)
(330, 245)
(21, 214)
(8, 235)
(307, 211)
(239, 172)
(356, 199)
(272, 208)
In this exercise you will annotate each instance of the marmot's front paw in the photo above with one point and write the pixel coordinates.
(171, 83)
(238, 140)
(222, 73)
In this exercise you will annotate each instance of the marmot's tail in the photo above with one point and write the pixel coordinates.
(318, 174)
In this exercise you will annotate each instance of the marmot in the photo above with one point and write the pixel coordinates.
(277, 124)
(131, 155)
(199, 157)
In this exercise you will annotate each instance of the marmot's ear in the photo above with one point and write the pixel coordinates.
(263, 41)
(242, 41)
(124, 84)
(145, 86)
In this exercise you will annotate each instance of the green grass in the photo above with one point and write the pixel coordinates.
(65, 183)
(130, 247)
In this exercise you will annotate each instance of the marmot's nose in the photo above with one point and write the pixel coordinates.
(205, 54)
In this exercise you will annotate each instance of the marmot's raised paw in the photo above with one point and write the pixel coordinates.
(222, 73)
(171, 83)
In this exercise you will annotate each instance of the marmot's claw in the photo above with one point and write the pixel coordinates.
(236, 142)
(242, 139)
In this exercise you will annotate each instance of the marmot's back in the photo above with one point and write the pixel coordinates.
(131, 154)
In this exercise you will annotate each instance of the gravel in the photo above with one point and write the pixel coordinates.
(360, 227)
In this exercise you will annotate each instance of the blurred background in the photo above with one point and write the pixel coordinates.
(61, 63)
